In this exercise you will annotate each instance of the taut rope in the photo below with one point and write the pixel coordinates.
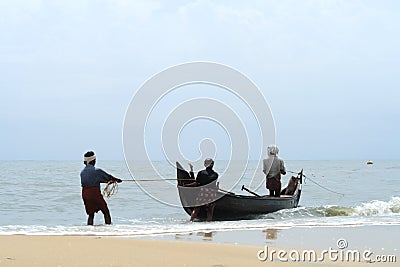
(111, 187)
(323, 187)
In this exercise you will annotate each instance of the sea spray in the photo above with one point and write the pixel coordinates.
(377, 207)
(368, 209)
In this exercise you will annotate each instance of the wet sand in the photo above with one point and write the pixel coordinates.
(22, 250)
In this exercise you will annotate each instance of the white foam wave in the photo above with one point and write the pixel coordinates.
(377, 207)
(370, 209)
(181, 229)
(370, 213)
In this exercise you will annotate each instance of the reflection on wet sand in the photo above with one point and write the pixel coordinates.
(271, 234)
(206, 236)
(183, 236)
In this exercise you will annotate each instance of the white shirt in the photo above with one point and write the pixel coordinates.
(273, 166)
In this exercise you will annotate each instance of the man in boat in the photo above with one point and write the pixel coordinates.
(207, 181)
(273, 167)
(91, 178)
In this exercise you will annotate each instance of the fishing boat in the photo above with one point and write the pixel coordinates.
(231, 206)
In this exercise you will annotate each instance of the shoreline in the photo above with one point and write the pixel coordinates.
(377, 237)
(303, 236)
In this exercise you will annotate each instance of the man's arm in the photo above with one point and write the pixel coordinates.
(191, 173)
(105, 177)
(283, 169)
(116, 179)
(265, 166)
(214, 176)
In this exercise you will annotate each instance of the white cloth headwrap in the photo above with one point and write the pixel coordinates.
(89, 159)
(208, 162)
(272, 150)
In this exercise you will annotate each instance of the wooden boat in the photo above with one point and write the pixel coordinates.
(230, 206)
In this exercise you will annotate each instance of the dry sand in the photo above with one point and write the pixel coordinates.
(20, 250)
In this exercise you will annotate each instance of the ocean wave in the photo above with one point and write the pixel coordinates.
(370, 213)
(369, 209)
(178, 229)
(379, 207)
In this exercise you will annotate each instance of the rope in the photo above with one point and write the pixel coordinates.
(157, 180)
(111, 187)
(323, 187)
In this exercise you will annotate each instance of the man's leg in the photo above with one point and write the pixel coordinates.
(210, 211)
(194, 213)
(107, 216)
(90, 219)
(278, 189)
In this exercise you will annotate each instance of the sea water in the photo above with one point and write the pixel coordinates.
(44, 197)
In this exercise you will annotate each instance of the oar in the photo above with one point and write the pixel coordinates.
(251, 192)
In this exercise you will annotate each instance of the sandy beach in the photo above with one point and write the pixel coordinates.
(20, 250)
(98, 251)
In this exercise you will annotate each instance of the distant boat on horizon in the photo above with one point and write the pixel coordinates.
(369, 162)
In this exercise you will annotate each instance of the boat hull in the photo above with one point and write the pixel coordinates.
(230, 206)
(239, 207)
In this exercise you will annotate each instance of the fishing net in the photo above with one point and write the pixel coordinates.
(110, 189)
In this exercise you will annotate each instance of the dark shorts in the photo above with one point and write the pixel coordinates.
(273, 184)
(93, 200)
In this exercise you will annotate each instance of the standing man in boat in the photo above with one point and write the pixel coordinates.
(207, 181)
(91, 178)
(273, 167)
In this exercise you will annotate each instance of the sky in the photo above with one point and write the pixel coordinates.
(329, 71)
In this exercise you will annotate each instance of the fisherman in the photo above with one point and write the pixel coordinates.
(273, 167)
(207, 181)
(91, 178)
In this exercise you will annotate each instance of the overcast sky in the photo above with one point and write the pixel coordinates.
(330, 70)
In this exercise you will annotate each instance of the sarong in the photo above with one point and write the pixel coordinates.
(273, 184)
(93, 200)
(206, 197)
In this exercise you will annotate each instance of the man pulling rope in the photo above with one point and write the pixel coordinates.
(91, 178)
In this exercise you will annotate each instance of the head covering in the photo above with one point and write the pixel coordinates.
(273, 150)
(208, 162)
(89, 159)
